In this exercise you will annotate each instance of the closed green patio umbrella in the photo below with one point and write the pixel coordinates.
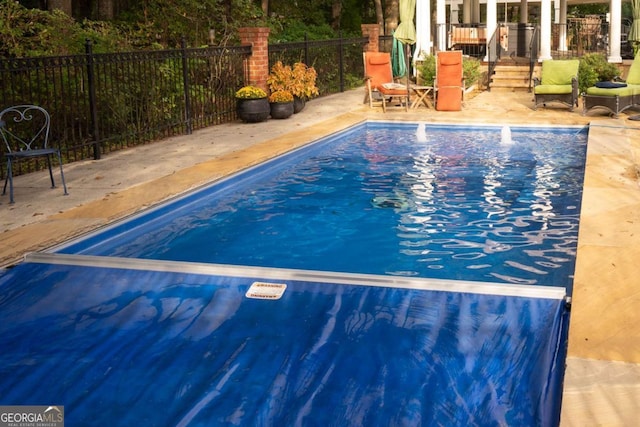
(406, 31)
(398, 62)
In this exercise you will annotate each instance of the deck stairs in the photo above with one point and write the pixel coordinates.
(510, 76)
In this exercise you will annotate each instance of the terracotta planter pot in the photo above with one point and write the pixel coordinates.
(281, 110)
(253, 110)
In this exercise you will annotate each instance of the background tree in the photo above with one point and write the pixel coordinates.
(105, 10)
(392, 15)
(379, 15)
(336, 14)
(34, 32)
(144, 24)
(63, 5)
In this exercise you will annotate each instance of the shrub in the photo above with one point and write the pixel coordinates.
(470, 70)
(594, 67)
(427, 70)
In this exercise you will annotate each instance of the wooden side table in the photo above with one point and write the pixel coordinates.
(421, 96)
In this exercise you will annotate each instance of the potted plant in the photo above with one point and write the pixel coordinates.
(304, 81)
(252, 104)
(594, 68)
(299, 80)
(281, 102)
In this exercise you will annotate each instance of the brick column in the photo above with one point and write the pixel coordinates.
(373, 32)
(258, 62)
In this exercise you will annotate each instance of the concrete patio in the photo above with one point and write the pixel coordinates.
(602, 384)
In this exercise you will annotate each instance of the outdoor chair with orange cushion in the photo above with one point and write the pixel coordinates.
(448, 85)
(380, 85)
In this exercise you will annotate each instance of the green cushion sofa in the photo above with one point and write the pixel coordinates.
(615, 100)
(558, 82)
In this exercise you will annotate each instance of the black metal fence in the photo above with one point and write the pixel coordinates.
(338, 62)
(571, 40)
(100, 103)
(105, 102)
(471, 39)
(580, 36)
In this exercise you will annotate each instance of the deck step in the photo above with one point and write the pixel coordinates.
(511, 78)
(509, 89)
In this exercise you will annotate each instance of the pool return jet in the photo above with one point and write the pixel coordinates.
(421, 132)
(505, 137)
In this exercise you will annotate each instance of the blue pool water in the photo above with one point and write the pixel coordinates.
(461, 205)
(157, 321)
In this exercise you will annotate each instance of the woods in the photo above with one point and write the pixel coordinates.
(163, 23)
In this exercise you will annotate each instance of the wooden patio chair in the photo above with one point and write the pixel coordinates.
(380, 86)
(448, 85)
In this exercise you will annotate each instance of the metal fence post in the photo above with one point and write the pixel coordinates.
(306, 49)
(185, 78)
(93, 107)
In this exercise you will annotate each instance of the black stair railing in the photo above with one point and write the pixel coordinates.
(493, 54)
(534, 47)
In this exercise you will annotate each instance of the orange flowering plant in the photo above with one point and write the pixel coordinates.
(299, 80)
(281, 96)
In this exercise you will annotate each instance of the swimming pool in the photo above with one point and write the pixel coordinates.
(461, 204)
(120, 335)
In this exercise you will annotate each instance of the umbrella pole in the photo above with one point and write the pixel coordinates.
(406, 61)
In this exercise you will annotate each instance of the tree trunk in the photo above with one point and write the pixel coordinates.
(265, 7)
(105, 10)
(336, 14)
(379, 15)
(228, 6)
(63, 5)
(393, 12)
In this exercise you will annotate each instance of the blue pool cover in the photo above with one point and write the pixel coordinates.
(127, 347)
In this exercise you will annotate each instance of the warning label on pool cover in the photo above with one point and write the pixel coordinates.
(263, 290)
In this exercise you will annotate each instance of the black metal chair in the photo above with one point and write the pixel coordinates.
(25, 131)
